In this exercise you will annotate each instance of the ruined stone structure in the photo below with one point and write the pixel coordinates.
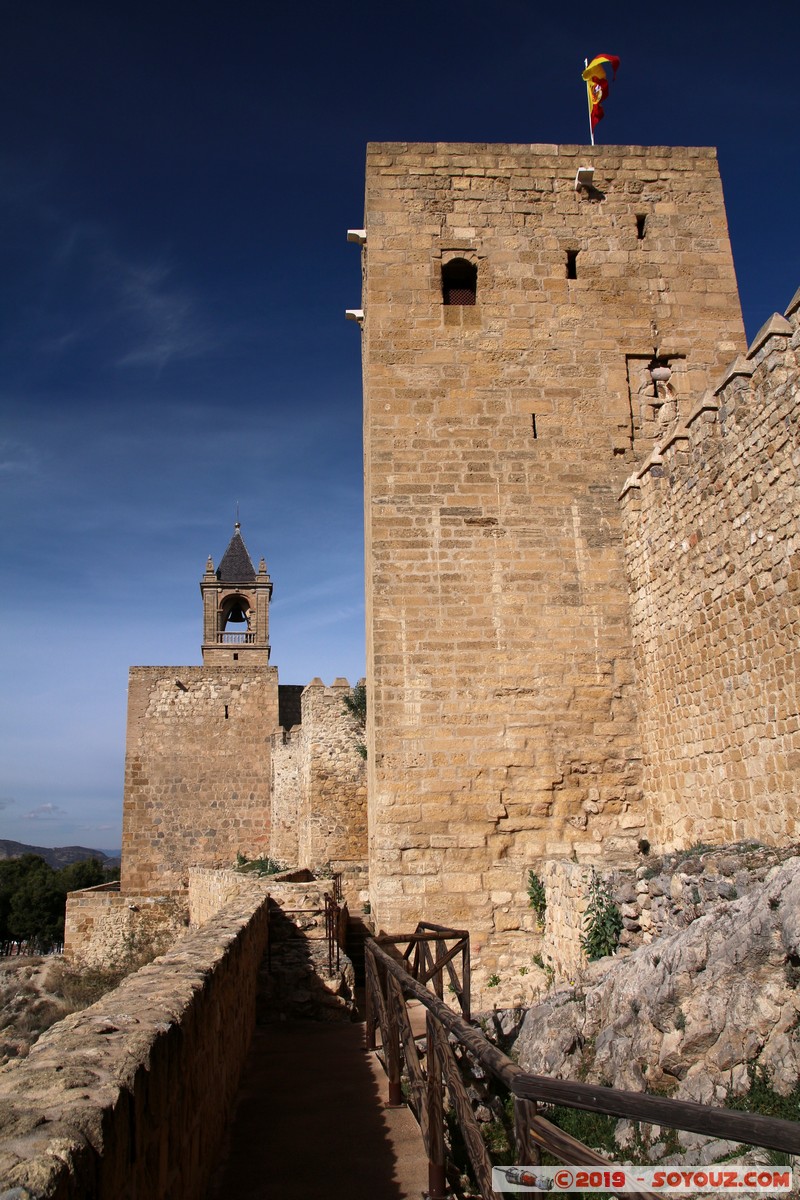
(536, 320)
(319, 794)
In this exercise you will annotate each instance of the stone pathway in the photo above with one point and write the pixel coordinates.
(311, 1121)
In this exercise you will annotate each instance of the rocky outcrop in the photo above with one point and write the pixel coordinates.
(686, 1014)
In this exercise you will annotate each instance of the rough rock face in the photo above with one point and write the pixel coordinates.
(688, 1012)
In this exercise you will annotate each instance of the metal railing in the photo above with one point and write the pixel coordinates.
(393, 979)
(337, 918)
(235, 639)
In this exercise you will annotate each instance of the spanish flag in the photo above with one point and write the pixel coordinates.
(597, 85)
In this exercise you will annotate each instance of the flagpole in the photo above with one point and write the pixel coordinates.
(591, 131)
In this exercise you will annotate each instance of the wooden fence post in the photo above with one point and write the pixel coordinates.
(437, 1178)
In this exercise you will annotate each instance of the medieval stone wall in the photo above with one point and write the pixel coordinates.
(197, 771)
(712, 527)
(503, 725)
(319, 805)
(285, 794)
(105, 929)
(130, 1097)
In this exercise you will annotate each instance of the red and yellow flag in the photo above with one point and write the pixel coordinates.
(597, 85)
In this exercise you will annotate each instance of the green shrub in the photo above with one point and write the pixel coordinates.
(536, 895)
(602, 922)
(259, 866)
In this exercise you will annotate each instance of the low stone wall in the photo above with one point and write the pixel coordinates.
(210, 891)
(296, 981)
(130, 1097)
(106, 929)
(566, 886)
(660, 897)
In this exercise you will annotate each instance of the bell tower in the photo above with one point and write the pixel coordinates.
(236, 609)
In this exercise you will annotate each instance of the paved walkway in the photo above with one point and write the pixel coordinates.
(311, 1121)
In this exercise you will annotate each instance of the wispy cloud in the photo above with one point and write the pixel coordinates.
(89, 293)
(6, 802)
(165, 315)
(16, 457)
(45, 812)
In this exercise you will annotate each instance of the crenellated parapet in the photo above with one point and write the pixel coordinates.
(712, 546)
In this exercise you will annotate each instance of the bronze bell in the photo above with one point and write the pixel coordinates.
(237, 614)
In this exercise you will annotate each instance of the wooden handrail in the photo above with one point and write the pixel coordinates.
(750, 1128)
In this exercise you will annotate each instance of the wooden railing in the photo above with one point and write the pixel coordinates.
(393, 979)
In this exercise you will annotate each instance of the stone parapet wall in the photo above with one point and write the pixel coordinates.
(106, 929)
(712, 540)
(211, 890)
(129, 1098)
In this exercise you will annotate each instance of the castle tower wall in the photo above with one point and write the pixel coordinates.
(197, 771)
(712, 532)
(497, 436)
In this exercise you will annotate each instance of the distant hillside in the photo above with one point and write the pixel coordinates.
(58, 856)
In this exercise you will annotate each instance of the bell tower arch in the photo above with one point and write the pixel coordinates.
(236, 608)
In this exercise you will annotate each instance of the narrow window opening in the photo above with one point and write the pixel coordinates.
(641, 221)
(572, 264)
(226, 712)
(235, 657)
(459, 282)
(533, 426)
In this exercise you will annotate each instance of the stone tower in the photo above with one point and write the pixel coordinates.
(534, 318)
(197, 760)
(236, 608)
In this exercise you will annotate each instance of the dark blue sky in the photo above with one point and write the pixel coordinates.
(176, 180)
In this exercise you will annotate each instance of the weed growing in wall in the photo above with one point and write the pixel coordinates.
(536, 896)
(602, 921)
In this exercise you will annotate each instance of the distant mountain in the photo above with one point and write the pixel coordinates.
(58, 856)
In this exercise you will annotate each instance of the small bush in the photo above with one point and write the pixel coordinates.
(259, 866)
(603, 922)
(536, 895)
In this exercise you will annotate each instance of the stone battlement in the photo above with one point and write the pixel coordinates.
(713, 556)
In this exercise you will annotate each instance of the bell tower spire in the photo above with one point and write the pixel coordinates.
(236, 608)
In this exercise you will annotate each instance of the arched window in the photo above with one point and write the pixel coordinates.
(459, 281)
